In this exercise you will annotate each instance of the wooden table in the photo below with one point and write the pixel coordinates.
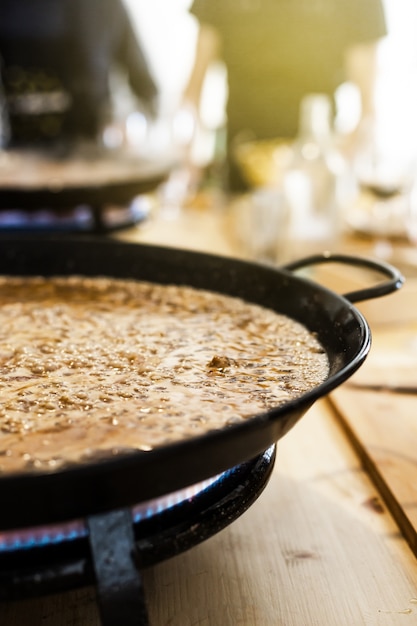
(332, 539)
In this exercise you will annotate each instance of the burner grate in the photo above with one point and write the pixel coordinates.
(37, 537)
(80, 219)
(59, 557)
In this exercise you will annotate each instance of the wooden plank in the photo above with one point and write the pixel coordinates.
(318, 548)
(382, 424)
(383, 429)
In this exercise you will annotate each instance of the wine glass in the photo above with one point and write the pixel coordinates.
(385, 169)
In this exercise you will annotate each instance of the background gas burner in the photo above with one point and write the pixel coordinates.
(78, 189)
(98, 550)
(81, 219)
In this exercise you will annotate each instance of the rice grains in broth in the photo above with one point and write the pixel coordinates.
(98, 366)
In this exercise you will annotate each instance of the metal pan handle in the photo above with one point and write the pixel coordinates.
(394, 282)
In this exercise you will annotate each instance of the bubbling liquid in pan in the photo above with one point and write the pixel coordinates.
(94, 367)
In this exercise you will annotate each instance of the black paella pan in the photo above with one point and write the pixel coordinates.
(31, 499)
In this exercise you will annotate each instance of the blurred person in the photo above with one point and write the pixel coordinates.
(58, 56)
(4, 121)
(278, 51)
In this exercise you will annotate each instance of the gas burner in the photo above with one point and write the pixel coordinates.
(81, 219)
(98, 550)
(76, 188)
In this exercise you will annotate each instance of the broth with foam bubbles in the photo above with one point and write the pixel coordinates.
(95, 367)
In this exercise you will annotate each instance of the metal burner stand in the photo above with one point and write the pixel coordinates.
(110, 550)
(97, 206)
